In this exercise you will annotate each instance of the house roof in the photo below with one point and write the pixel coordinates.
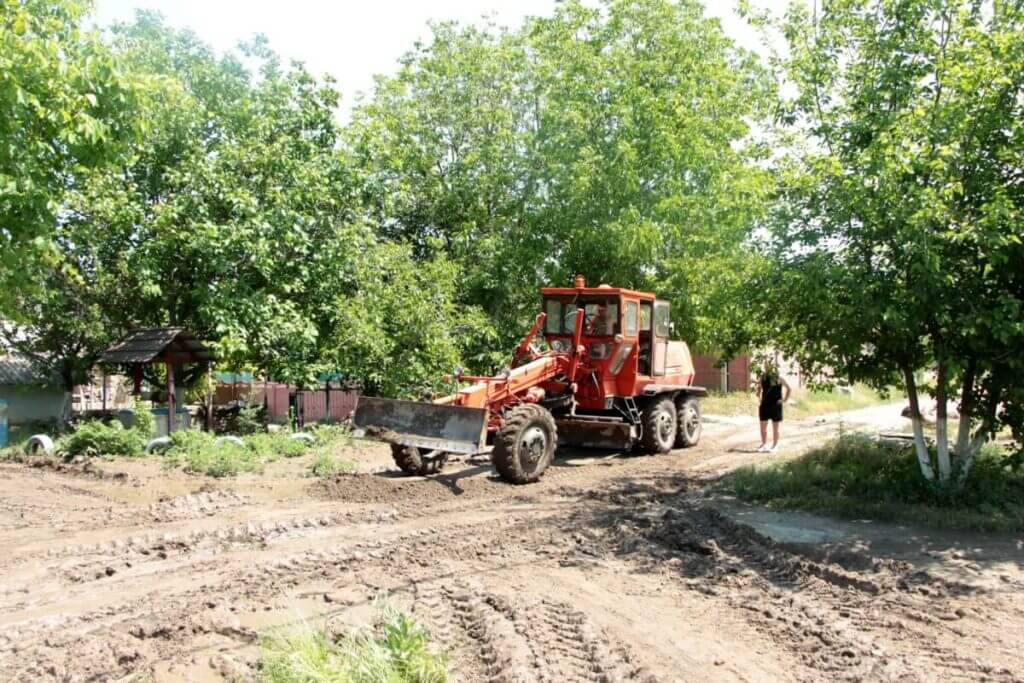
(159, 345)
(17, 370)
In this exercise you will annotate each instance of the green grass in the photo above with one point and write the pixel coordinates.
(855, 477)
(199, 453)
(397, 650)
(327, 465)
(803, 402)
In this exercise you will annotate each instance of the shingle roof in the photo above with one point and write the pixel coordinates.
(158, 343)
(17, 370)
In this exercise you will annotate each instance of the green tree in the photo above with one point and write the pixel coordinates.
(62, 98)
(897, 239)
(232, 218)
(612, 141)
(62, 328)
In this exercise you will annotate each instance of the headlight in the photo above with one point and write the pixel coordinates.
(599, 350)
(556, 344)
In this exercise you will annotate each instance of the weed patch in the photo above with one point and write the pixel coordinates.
(854, 476)
(396, 650)
(327, 465)
(96, 438)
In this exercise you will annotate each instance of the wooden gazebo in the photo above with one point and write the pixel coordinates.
(168, 345)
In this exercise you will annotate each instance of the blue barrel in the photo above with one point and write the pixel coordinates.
(3, 423)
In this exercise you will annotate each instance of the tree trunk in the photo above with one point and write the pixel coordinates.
(941, 431)
(65, 410)
(963, 436)
(920, 447)
(68, 381)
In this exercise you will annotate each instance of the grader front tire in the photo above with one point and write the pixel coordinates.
(411, 461)
(525, 444)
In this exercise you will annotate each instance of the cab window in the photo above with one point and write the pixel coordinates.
(661, 319)
(631, 318)
(553, 320)
(645, 317)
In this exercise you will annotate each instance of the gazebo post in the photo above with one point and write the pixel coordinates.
(170, 398)
(137, 376)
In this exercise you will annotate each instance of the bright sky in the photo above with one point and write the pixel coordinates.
(353, 40)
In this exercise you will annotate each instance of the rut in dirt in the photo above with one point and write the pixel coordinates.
(846, 619)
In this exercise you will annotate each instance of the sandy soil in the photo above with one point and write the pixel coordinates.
(612, 568)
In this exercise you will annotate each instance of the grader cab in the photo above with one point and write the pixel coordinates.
(610, 377)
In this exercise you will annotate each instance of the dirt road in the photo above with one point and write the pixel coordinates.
(612, 568)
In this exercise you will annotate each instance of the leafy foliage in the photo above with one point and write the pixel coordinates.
(895, 240)
(62, 104)
(609, 141)
(327, 465)
(96, 438)
(201, 453)
(855, 476)
(398, 652)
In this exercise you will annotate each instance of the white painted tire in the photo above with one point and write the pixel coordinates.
(302, 436)
(39, 444)
(230, 439)
(159, 444)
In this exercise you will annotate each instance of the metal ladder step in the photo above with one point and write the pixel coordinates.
(634, 413)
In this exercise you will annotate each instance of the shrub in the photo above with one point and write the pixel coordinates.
(145, 423)
(327, 465)
(96, 438)
(221, 460)
(201, 454)
(250, 419)
(398, 652)
(269, 447)
(856, 476)
(331, 433)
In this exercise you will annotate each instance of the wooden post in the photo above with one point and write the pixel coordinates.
(327, 417)
(170, 398)
(137, 374)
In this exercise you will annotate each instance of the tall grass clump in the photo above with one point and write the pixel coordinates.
(327, 465)
(397, 650)
(855, 476)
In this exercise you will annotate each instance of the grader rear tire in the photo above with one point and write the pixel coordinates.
(688, 425)
(525, 444)
(659, 425)
(411, 461)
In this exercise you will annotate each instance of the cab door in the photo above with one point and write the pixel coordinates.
(661, 332)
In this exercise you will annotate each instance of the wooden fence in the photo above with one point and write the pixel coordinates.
(310, 406)
(317, 405)
(734, 376)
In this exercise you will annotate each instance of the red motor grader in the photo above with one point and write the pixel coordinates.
(609, 379)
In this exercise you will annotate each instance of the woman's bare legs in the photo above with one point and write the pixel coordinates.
(764, 433)
(775, 433)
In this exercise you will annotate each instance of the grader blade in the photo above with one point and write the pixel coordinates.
(595, 434)
(431, 426)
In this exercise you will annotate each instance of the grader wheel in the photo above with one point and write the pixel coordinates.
(659, 425)
(412, 461)
(525, 444)
(689, 424)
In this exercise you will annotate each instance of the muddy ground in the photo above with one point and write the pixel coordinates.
(612, 568)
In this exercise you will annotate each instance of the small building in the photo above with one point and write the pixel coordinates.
(30, 395)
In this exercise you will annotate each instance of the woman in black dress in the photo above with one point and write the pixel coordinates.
(770, 393)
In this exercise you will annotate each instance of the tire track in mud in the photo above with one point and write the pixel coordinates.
(525, 638)
(167, 621)
(840, 622)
